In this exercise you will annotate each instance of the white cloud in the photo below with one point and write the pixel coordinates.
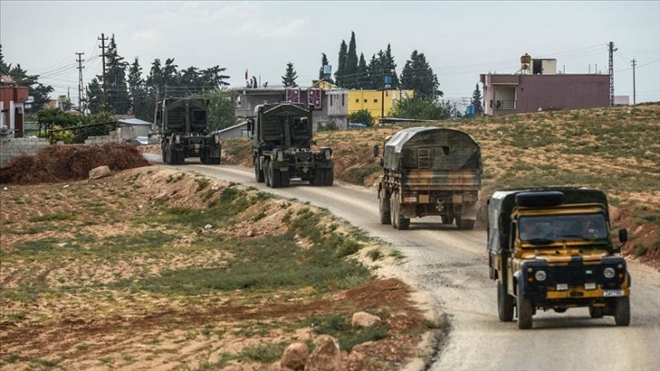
(146, 35)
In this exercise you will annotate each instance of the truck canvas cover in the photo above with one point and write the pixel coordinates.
(502, 203)
(431, 148)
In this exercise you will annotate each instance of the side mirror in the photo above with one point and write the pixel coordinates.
(312, 142)
(250, 126)
(623, 235)
(376, 150)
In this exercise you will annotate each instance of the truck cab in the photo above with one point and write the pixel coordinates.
(551, 249)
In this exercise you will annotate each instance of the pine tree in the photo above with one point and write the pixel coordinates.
(141, 106)
(4, 68)
(290, 76)
(476, 101)
(118, 99)
(363, 73)
(390, 66)
(351, 67)
(418, 75)
(341, 65)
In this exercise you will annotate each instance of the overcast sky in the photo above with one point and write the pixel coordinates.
(460, 39)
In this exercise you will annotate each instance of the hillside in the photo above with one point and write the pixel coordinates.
(613, 149)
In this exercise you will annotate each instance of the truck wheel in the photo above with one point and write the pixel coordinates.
(275, 176)
(384, 209)
(267, 172)
(525, 311)
(214, 160)
(622, 311)
(318, 179)
(464, 224)
(393, 214)
(286, 179)
(398, 221)
(596, 312)
(446, 219)
(504, 303)
(329, 177)
(258, 174)
(163, 152)
(168, 155)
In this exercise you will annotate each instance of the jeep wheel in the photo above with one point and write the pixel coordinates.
(622, 311)
(596, 312)
(384, 209)
(525, 312)
(504, 303)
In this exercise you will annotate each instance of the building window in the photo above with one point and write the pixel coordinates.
(357, 101)
(365, 101)
(342, 100)
(375, 100)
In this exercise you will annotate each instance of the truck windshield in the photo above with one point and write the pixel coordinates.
(562, 227)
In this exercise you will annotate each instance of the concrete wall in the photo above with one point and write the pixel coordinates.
(14, 147)
(11, 147)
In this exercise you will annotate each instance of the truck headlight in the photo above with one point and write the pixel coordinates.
(280, 156)
(540, 276)
(609, 272)
(177, 139)
(328, 154)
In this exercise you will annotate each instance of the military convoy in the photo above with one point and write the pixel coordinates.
(282, 146)
(184, 131)
(429, 171)
(551, 248)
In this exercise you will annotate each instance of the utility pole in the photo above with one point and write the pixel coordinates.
(105, 79)
(612, 50)
(80, 82)
(634, 63)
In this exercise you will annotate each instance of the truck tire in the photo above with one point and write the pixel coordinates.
(329, 177)
(286, 179)
(258, 174)
(525, 312)
(504, 303)
(464, 224)
(384, 208)
(162, 150)
(267, 173)
(319, 178)
(275, 176)
(596, 312)
(622, 311)
(168, 155)
(398, 221)
(446, 219)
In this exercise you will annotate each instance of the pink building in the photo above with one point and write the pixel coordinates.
(538, 86)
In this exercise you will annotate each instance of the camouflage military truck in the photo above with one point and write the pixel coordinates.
(429, 171)
(551, 249)
(184, 131)
(282, 140)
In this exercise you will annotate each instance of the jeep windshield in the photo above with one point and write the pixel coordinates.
(550, 228)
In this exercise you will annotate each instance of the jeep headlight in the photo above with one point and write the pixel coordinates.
(609, 272)
(540, 276)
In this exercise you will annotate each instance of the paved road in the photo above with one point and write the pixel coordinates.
(451, 267)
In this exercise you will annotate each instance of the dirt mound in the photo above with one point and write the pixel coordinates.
(60, 163)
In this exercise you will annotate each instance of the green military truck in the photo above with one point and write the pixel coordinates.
(184, 131)
(429, 171)
(282, 146)
(551, 248)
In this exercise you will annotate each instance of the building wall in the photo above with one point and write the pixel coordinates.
(372, 101)
(14, 147)
(564, 92)
(506, 94)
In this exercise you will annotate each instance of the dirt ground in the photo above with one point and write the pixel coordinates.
(119, 329)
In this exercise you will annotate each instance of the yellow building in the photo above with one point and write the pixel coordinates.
(377, 102)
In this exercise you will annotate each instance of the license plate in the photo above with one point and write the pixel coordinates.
(612, 293)
(562, 286)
